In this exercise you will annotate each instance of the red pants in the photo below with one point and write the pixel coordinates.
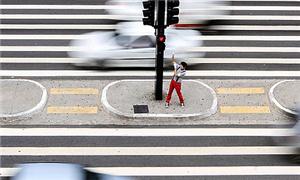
(177, 87)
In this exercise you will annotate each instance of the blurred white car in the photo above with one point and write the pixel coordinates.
(59, 171)
(191, 11)
(133, 45)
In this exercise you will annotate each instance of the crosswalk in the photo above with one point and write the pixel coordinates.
(149, 153)
(254, 33)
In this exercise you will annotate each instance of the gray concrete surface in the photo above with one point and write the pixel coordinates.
(120, 96)
(104, 118)
(285, 96)
(21, 98)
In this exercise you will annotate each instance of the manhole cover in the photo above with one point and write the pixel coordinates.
(140, 109)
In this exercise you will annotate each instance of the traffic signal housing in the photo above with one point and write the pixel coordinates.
(148, 12)
(172, 12)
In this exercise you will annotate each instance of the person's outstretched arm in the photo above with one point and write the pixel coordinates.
(174, 64)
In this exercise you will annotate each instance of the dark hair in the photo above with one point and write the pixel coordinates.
(184, 64)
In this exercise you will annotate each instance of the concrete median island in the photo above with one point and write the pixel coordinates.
(21, 98)
(120, 97)
(285, 96)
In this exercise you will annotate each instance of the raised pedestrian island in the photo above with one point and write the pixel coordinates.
(120, 97)
(21, 98)
(285, 96)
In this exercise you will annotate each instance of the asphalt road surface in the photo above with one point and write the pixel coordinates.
(262, 26)
(216, 153)
(268, 29)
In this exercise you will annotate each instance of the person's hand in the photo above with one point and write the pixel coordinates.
(173, 59)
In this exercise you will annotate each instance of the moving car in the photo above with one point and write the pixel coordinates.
(133, 45)
(59, 171)
(191, 11)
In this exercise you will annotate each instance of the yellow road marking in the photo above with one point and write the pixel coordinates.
(257, 90)
(74, 91)
(72, 110)
(245, 109)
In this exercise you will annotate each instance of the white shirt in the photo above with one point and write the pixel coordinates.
(179, 73)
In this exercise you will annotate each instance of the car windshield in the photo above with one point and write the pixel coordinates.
(142, 42)
(122, 40)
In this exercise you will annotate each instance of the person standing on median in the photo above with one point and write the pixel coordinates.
(179, 73)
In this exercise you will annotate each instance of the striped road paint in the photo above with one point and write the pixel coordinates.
(58, 26)
(72, 110)
(255, 27)
(195, 49)
(191, 73)
(109, 27)
(192, 60)
(145, 132)
(252, 90)
(116, 17)
(147, 151)
(107, 7)
(245, 109)
(186, 171)
(202, 37)
(75, 91)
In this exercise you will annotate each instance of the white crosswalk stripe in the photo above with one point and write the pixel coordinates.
(45, 149)
(141, 74)
(145, 151)
(262, 45)
(186, 171)
(144, 132)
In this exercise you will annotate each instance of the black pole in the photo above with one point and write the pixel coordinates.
(160, 48)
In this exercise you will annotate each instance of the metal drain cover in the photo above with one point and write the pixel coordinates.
(140, 109)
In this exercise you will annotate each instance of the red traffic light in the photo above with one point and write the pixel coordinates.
(162, 38)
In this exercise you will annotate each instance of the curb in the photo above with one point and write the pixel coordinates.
(273, 99)
(201, 115)
(37, 108)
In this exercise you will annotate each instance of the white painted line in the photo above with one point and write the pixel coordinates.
(106, 7)
(195, 49)
(199, 115)
(115, 17)
(191, 73)
(275, 101)
(145, 132)
(186, 171)
(40, 37)
(265, 0)
(255, 27)
(40, 60)
(39, 48)
(255, 8)
(55, 7)
(63, 16)
(246, 60)
(201, 171)
(58, 26)
(36, 108)
(243, 49)
(105, 27)
(147, 151)
(205, 38)
(245, 17)
(246, 38)
(93, 16)
(193, 60)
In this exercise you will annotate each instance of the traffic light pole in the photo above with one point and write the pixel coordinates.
(160, 23)
(160, 48)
